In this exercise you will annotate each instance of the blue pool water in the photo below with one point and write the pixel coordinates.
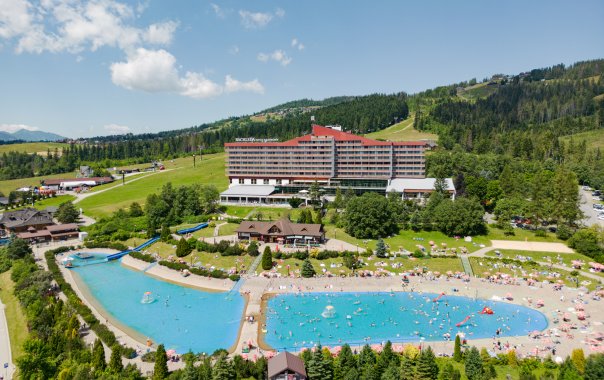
(179, 317)
(295, 321)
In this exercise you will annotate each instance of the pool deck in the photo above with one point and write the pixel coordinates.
(255, 287)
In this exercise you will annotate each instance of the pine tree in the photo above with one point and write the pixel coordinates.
(392, 372)
(474, 369)
(183, 248)
(457, 349)
(594, 367)
(407, 368)
(223, 370)
(344, 363)
(160, 369)
(98, 356)
(165, 234)
(338, 201)
(115, 361)
(352, 374)
(449, 372)
(267, 259)
(426, 365)
(67, 213)
(319, 218)
(380, 249)
(252, 249)
(317, 367)
(578, 358)
(307, 269)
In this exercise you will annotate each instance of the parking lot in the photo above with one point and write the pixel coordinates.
(591, 214)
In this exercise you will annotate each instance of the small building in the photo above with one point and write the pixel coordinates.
(24, 220)
(55, 232)
(282, 231)
(286, 366)
(418, 189)
(72, 183)
(85, 171)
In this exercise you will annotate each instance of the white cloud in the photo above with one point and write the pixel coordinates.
(10, 128)
(220, 13)
(234, 50)
(77, 25)
(116, 129)
(297, 44)
(256, 20)
(233, 85)
(156, 71)
(278, 56)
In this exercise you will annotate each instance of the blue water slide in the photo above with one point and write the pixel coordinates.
(192, 229)
(118, 255)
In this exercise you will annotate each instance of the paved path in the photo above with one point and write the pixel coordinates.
(5, 353)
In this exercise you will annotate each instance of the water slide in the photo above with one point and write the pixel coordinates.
(438, 298)
(142, 246)
(192, 229)
(464, 321)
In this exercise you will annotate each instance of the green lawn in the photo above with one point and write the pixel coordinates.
(407, 239)
(6, 186)
(226, 229)
(402, 131)
(54, 201)
(594, 139)
(33, 147)
(117, 182)
(268, 213)
(17, 324)
(521, 235)
(481, 265)
(208, 172)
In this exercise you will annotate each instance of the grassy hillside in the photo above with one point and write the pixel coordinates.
(34, 147)
(594, 139)
(179, 171)
(402, 131)
(479, 90)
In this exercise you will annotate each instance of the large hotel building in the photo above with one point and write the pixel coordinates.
(273, 172)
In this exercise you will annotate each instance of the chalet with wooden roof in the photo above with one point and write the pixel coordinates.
(282, 231)
(286, 366)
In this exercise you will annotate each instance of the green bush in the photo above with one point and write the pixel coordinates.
(142, 256)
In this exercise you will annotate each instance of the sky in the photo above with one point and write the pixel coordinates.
(91, 68)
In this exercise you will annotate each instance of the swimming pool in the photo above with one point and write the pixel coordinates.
(295, 321)
(181, 318)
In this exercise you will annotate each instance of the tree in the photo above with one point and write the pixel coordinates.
(317, 368)
(369, 217)
(407, 368)
(461, 217)
(449, 372)
(135, 210)
(426, 365)
(307, 270)
(67, 213)
(380, 249)
(474, 368)
(98, 356)
(589, 241)
(115, 360)
(565, 196)
(351, 261)
(165, 234)
(508, 181)
(345, 363)
(457, 349)
(208, 198)
(314, 193)
(338, 200)
(18, 249)
(160, 369)
(183, 248)
(568, 371)
(319, 218)
(267, 259)
(578, 358)
(295, 202)
(392, 372)
(252, 249)
(594, 367)
(223, 370)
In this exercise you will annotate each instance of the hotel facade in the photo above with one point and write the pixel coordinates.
(273, 172)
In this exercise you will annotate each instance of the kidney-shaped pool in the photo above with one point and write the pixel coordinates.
(295, 320)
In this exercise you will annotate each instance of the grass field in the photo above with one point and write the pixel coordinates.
(407, 239)
(268, 213)
(34, 147)
(594, 139)
(521, 235)
(17, 324)
(180, 172)
(402, 131)
(479, 90)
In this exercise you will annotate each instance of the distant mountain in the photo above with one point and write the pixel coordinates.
(25, 135)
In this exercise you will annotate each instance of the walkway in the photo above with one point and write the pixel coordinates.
(465, 262)
(5, 353)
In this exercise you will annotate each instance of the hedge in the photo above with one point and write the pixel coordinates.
(102, 331)
(105, 244)
(141, 256)
(216, 273)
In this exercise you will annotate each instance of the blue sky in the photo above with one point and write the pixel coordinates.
(114, 66)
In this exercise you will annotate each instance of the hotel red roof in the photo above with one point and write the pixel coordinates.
(320, 131)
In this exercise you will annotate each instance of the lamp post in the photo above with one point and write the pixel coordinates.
(193, 159)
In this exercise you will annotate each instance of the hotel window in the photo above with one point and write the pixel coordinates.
(279, 182)
(241, 181)
(265, 181)
(253, 181)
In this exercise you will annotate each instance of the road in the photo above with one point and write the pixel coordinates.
(5, 353)
(591, 216)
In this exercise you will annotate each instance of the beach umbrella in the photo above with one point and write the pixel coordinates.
(437, 273)
(449, 273)
(244, 356)
(170, 353)
(431, 242)
(398, 348)
(336, 350)
(376, 347)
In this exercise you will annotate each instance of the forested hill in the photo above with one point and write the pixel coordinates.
(304, 103)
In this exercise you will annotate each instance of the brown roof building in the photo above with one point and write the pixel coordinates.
(281, 231)
(22, 220)
(286, 366)
(54, 232)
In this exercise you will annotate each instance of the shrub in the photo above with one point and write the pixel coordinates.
(540, 233)
(418, 254)
(183, 248)
(234, 277)
(267, 259)
(563, 232)
(142, 256)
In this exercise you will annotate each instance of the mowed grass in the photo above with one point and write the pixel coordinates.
(34, 147)
(17, 324)
(179, 172)
(522, 235)
(266, 213)
(409, 240)
(594, 139)
(54, 201)
(402, 131)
